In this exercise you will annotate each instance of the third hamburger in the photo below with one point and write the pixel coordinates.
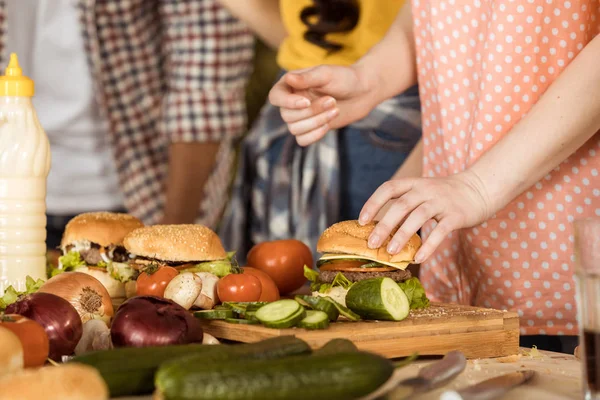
(347, 259)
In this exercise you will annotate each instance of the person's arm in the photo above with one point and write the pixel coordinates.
(262, 16)
(565, 117)
(204, 105)
(315, 100)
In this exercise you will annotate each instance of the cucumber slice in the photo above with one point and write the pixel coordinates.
(214, 314)
(221, 307)
(345, 311)
(320, 304)
(251, 315)
(253, 307)
(289, 322)
(314, 320)
(378, 298)
(278, 310)
(241, 321)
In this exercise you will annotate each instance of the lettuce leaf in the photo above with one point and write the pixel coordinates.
(317, 286)
(71, 261)
(122, 272)
(415, 292)
(11, 295)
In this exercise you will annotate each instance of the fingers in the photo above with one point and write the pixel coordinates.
(309, 78)
(437, 236)
(400, 208)
(310, 124)
(282, 95)
(387, 191)
(415, 220)
(318, 106)
(313, 136)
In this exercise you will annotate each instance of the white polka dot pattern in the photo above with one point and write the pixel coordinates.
(482, 64)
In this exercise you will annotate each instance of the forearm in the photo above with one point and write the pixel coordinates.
(564, 118)
(261, 16)
(190, 165)
(389, 68)
(412, 167)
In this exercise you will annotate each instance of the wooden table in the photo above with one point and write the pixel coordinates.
(559, 376)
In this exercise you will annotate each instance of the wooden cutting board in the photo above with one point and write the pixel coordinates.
(477, 332)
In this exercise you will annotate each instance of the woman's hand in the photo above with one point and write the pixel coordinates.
(315, 100)
(457, 201)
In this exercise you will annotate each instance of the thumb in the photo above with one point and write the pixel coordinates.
(310, 78)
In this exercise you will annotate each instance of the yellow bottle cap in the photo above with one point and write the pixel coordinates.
(13, 82)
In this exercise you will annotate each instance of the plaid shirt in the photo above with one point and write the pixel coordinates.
(165, 71)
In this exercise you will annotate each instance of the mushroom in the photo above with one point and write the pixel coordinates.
(208, 296)
(184, 289)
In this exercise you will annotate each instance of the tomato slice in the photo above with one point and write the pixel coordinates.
(352, 266)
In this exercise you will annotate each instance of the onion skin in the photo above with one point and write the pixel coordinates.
(58, 318)
(146, 321)
(86, 293)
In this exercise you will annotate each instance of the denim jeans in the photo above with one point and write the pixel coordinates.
(367, 159)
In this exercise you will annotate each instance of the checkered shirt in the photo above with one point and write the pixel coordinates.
(165, 71)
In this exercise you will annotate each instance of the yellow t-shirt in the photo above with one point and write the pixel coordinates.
(295, 52)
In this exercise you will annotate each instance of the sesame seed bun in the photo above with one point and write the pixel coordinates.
(103, 228)
(177, 243)
(349, 237)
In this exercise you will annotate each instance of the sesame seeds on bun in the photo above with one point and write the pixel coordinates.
(176, 243)
(103, 228)
(349, 237)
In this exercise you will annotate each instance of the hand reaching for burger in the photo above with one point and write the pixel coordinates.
(457, 201)
(315, 100)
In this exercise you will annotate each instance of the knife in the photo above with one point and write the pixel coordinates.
(429, 377)
(491, 388)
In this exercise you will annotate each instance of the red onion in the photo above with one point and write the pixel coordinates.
(146, 321)
(58, 317)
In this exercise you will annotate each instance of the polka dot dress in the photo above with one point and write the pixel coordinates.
(482, 64)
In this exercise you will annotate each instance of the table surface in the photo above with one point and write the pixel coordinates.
(558, 376)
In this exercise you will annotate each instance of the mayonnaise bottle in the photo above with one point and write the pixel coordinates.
(24, 167)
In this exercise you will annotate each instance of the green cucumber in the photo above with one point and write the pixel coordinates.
(251, 315)
(337, 345)
(241, 321)
(221, 307)
(285, 323)
(378, 298)
(130, 371)
(214, 314)
(320, 304)
(280, 310)
(340, 376)
(238, 308)
(314, 320)
(345, 311)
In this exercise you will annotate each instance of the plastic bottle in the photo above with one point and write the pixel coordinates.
(24, 167)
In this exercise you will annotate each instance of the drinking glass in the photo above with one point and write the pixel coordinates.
(587, 278)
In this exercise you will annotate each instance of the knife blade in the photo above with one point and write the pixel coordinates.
(492, 388)
(428, 378)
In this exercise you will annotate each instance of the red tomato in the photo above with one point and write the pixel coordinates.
(33, 337)
(283, 261)
(239, 287)
(153, 281)
(269, 288)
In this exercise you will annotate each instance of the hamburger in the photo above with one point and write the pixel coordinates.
(346, 259)
(193, 248)
(93, 243)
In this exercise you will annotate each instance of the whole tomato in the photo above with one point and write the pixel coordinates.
(283, 261)
(239, 288)
(32, 335)
(270, 292)
(154, 280)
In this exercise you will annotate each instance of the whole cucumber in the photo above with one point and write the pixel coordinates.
(130, 371)
(340, 376)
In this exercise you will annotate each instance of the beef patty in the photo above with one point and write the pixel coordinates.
(398, 276)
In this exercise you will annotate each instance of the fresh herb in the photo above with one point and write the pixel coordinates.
(11, 295)
(415, 292)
